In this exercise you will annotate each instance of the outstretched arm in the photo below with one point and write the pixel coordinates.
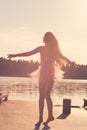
(36, 50)
(68, 61)
(61, 56)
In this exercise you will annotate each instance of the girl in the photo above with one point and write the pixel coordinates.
(49, 53)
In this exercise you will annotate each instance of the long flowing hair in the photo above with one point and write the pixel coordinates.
(53, 49)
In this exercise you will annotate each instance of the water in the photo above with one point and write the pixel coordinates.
(27, 89)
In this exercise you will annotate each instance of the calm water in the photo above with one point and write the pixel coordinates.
(27, 89)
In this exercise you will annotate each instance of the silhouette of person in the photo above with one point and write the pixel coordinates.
(49, 54)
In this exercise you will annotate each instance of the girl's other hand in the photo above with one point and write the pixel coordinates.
(10, 55)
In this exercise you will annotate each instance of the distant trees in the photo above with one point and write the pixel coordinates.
(75, 72)
(22, 68)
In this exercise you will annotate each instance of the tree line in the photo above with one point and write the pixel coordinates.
(22, 68)
(75, 72)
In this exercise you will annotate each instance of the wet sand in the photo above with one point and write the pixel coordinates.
(22, 115)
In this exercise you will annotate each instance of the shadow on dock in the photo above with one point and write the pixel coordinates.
(63, 116)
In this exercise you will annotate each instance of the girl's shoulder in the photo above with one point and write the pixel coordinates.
(41, 48)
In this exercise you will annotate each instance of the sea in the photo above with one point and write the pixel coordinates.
(26, 89)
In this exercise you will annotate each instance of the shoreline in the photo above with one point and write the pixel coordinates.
(22, 115)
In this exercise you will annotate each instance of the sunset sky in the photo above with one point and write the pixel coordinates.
(24, 22)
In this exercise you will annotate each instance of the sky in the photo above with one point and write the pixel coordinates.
(23, 24)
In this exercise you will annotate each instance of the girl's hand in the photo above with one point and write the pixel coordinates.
(72, 63)
(10, 55)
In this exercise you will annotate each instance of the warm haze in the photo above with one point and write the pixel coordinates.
(24, 22)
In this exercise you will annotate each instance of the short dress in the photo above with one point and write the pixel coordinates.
(47, 71)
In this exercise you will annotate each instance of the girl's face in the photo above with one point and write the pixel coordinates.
(44, 39)
(47, 38)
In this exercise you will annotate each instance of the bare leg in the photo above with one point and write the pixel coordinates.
(49, 101)
(50, 107)
(41, 105)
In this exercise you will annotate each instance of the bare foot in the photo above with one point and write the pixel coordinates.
(48, 120)
(38, 123)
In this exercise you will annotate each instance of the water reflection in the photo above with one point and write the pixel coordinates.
(27, 87)
(69, 87)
